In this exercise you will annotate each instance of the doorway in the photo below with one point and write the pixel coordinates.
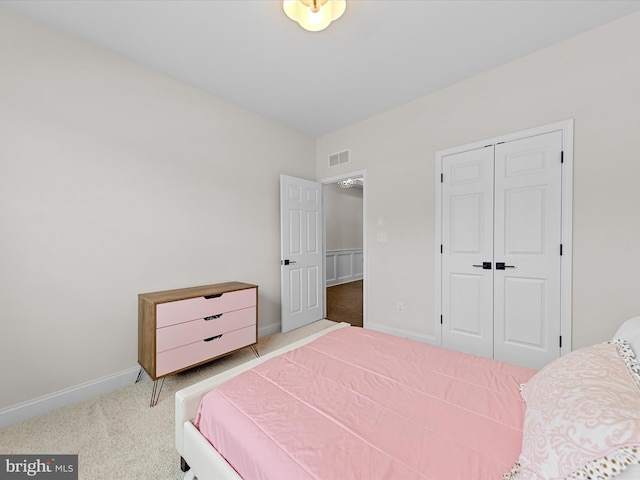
(343, 205)
(345, 303)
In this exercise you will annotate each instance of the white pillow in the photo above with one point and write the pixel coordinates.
(583, 416)
(630, 331)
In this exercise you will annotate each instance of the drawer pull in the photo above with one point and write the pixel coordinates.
(212, 317)
(215, 295)
(212, 338)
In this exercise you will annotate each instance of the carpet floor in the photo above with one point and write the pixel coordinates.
(117, 436)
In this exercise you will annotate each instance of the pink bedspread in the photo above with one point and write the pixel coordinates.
(358, 404)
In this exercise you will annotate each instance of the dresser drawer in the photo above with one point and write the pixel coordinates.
(189, 332)
(188, 355)
(172, 313)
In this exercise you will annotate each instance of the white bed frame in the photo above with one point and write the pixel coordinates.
(204, 461)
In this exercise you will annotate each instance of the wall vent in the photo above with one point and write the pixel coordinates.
(339, 158)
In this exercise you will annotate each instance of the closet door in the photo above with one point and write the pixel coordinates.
(467, 238)
(501, 235)
(527, 242)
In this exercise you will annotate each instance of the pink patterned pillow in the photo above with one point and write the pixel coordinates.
(583, 413)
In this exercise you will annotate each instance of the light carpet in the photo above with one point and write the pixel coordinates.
(117, 436)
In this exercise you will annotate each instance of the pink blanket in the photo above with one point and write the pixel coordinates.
(358, 404)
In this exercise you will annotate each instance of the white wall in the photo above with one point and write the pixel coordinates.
(343, 213)
(593, 78)
(115, 180)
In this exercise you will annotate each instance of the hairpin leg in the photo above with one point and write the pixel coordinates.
(255, 350)
(155, 393)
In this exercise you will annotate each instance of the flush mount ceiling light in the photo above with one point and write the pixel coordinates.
(351, 182)
(314, 15)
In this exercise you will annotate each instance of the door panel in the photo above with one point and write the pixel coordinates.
(524, 221)
(301, 250)
(294, 291)
(313, 226)
(295, 230)
(465, 316)
(526, 303)
(528, 234)
(467, 237)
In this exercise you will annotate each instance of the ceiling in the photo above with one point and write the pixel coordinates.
(378, 55)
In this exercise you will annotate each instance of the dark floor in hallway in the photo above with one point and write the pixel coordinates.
(344, 303)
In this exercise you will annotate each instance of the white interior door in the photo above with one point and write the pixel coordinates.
(528, 233)
(301, 274)
(467, 256)
(501, 233)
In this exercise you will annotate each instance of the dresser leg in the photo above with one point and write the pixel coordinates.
(255, 350)
(155, 392)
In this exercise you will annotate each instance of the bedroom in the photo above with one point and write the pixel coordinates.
(109, 168)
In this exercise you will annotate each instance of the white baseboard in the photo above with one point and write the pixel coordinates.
(269, 329)
(68, 396)
(401, 333)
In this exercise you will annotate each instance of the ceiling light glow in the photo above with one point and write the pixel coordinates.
(314, 15)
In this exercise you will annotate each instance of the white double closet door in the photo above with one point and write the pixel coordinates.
(501, 250)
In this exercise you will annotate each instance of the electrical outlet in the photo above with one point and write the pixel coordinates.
(382, 237)
(400, 307)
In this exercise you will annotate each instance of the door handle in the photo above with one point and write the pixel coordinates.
(287, 262)
(485, 266)
(502, 266)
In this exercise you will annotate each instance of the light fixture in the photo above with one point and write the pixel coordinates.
(351, 182)
(314, 15)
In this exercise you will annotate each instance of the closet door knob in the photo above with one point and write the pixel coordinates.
(502, 266)
(485, 266)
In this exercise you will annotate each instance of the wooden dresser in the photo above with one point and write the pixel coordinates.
(179, 329)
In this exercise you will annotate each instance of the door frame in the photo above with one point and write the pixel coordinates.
(335, 179)
(566, 259)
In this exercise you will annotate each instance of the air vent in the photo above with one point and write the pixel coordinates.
(339, 158)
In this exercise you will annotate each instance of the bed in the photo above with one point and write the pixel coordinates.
(354, 403)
